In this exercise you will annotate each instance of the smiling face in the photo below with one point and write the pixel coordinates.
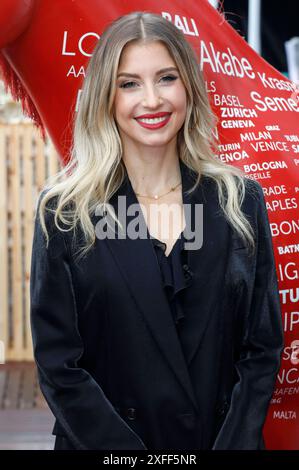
(150, 101)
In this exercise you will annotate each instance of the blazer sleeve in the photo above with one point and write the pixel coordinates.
(262, 343)
(75, 398)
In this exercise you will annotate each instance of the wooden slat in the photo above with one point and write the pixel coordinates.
(17, 250)
(54, 164)
(2, 386)
(27, 395)
(28, 232)
(3, 240)
(13, 389)
(40, 161)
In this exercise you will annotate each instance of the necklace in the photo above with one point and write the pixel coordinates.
(156, 195)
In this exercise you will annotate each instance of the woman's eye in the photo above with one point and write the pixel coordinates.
(167, 78)
(127, 85)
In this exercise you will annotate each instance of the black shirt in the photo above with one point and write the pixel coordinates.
(175, 273)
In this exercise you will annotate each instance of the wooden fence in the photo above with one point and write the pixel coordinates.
(25, 164)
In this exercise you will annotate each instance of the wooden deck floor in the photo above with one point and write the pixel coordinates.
(25, 420)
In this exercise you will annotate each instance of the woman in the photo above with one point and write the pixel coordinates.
(161, 330)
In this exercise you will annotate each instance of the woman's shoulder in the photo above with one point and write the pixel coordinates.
(50, 215)
(253, 203)
(60, 222)
(52, 201)
(253, 193)
(253, 187)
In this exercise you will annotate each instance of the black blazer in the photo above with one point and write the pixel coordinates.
(110, 363)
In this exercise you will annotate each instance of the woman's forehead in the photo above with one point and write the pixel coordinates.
(139, 53)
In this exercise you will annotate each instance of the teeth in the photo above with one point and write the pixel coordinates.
(153, 121)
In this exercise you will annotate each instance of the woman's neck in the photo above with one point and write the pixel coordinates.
(154, 175)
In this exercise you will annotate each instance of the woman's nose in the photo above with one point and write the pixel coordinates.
(151, 98)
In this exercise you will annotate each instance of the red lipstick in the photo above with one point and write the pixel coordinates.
(153, 126)
(152, 116)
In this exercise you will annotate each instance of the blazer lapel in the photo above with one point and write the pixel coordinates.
(204, 296)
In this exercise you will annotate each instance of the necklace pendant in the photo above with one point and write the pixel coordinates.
(156, 196)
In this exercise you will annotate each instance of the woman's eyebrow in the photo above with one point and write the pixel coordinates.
(167, 69)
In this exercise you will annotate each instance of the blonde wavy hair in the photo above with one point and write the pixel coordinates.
(96, 170)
